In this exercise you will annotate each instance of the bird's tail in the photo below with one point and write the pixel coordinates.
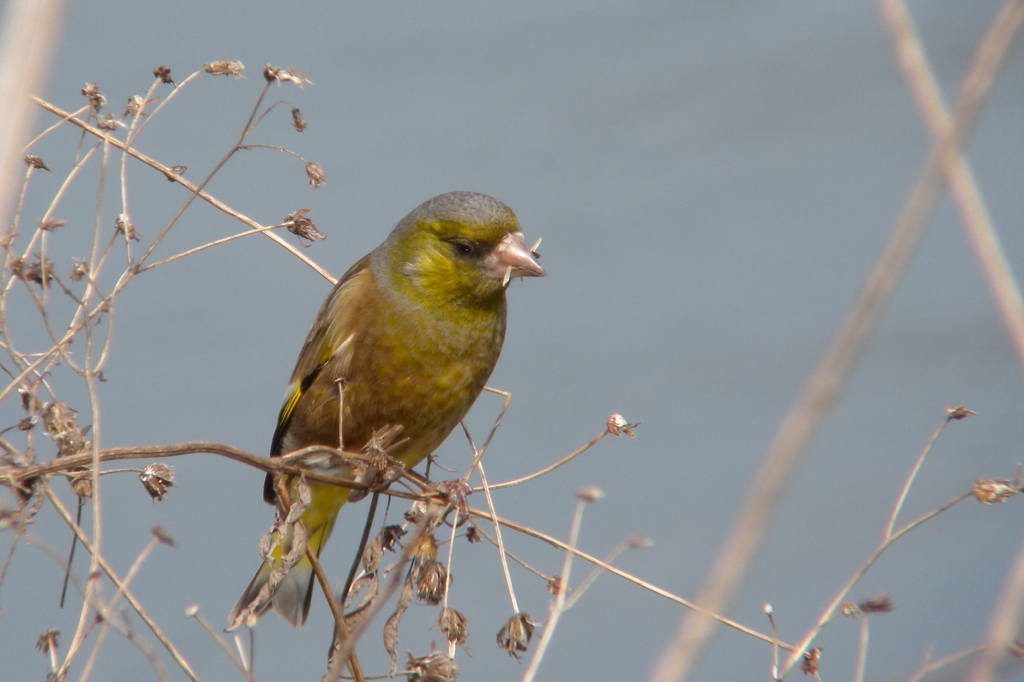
(293, 592)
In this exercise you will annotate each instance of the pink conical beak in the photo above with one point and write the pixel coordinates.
(510, 258)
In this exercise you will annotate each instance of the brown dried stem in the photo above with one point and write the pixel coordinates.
(530, 532)
(171, 175)
(957, 171)
(129, 597)
(823, 386)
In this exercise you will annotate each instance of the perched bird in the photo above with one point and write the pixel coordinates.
(407, 338)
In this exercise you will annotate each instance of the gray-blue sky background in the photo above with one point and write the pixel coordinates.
(712, 182)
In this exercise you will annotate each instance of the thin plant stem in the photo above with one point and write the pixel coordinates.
(835, 605)
(547, 470)
(558, 544)
(478, 454)
(558, 607)
(129, 597)
(775, 641)
(236, 657)
(940, 663)
(29, 37)
(497, 534)
(370, 514)
(58, 124)
(912, 475)
(216, 242)
(209, 176)
(509, 554)
(171, 175)
(1004, 623)
(71, 553)
(966, 196)
(448, 566)
(92, 584)
(595, 574)
(862, 649)
(823, 386)
(340, 654)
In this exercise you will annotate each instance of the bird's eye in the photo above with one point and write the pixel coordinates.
(463, 247)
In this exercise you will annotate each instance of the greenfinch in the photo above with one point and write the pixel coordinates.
(406, 339)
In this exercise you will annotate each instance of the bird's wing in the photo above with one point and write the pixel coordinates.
(330, 339)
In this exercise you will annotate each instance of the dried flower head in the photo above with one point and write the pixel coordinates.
(425, 549)
(79, 270)
(288, 74)
(29, 401)
(136, 105)
(124, 226)
(809, 665)
(390, 536)
(473, 535)
(298, 121)
(161, 534)
(315, 174)
(107, 122)
(555, 585)
(39, 269)
(590, 493)
(435, 667)
(432, 581)
(156, 479)
(850, 610)
(639, 542)
(617, 425)
(164, 74)
(35, 162)
(417, 510)
(59, 424)
(959, 412)
(47, 641)
(81, 483)
(224, 68)
(50, 224)
(881, 603)
(993, 491)
(454, 627)
(298, 224)
(301, 226)
(514, 637)
(92, 93)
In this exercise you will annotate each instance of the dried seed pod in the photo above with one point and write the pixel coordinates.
(432, 581)
(315, 174)
(224, 68)
(298, 121)
(617, 425)
(809, 664)
(434, 667)
(514, 637)
(881, 603)
(454, 627)
(993, 491)
(156, 479)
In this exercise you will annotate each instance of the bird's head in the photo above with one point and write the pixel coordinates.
(460, 247)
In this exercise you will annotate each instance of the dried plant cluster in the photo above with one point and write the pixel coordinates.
(55, 333)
